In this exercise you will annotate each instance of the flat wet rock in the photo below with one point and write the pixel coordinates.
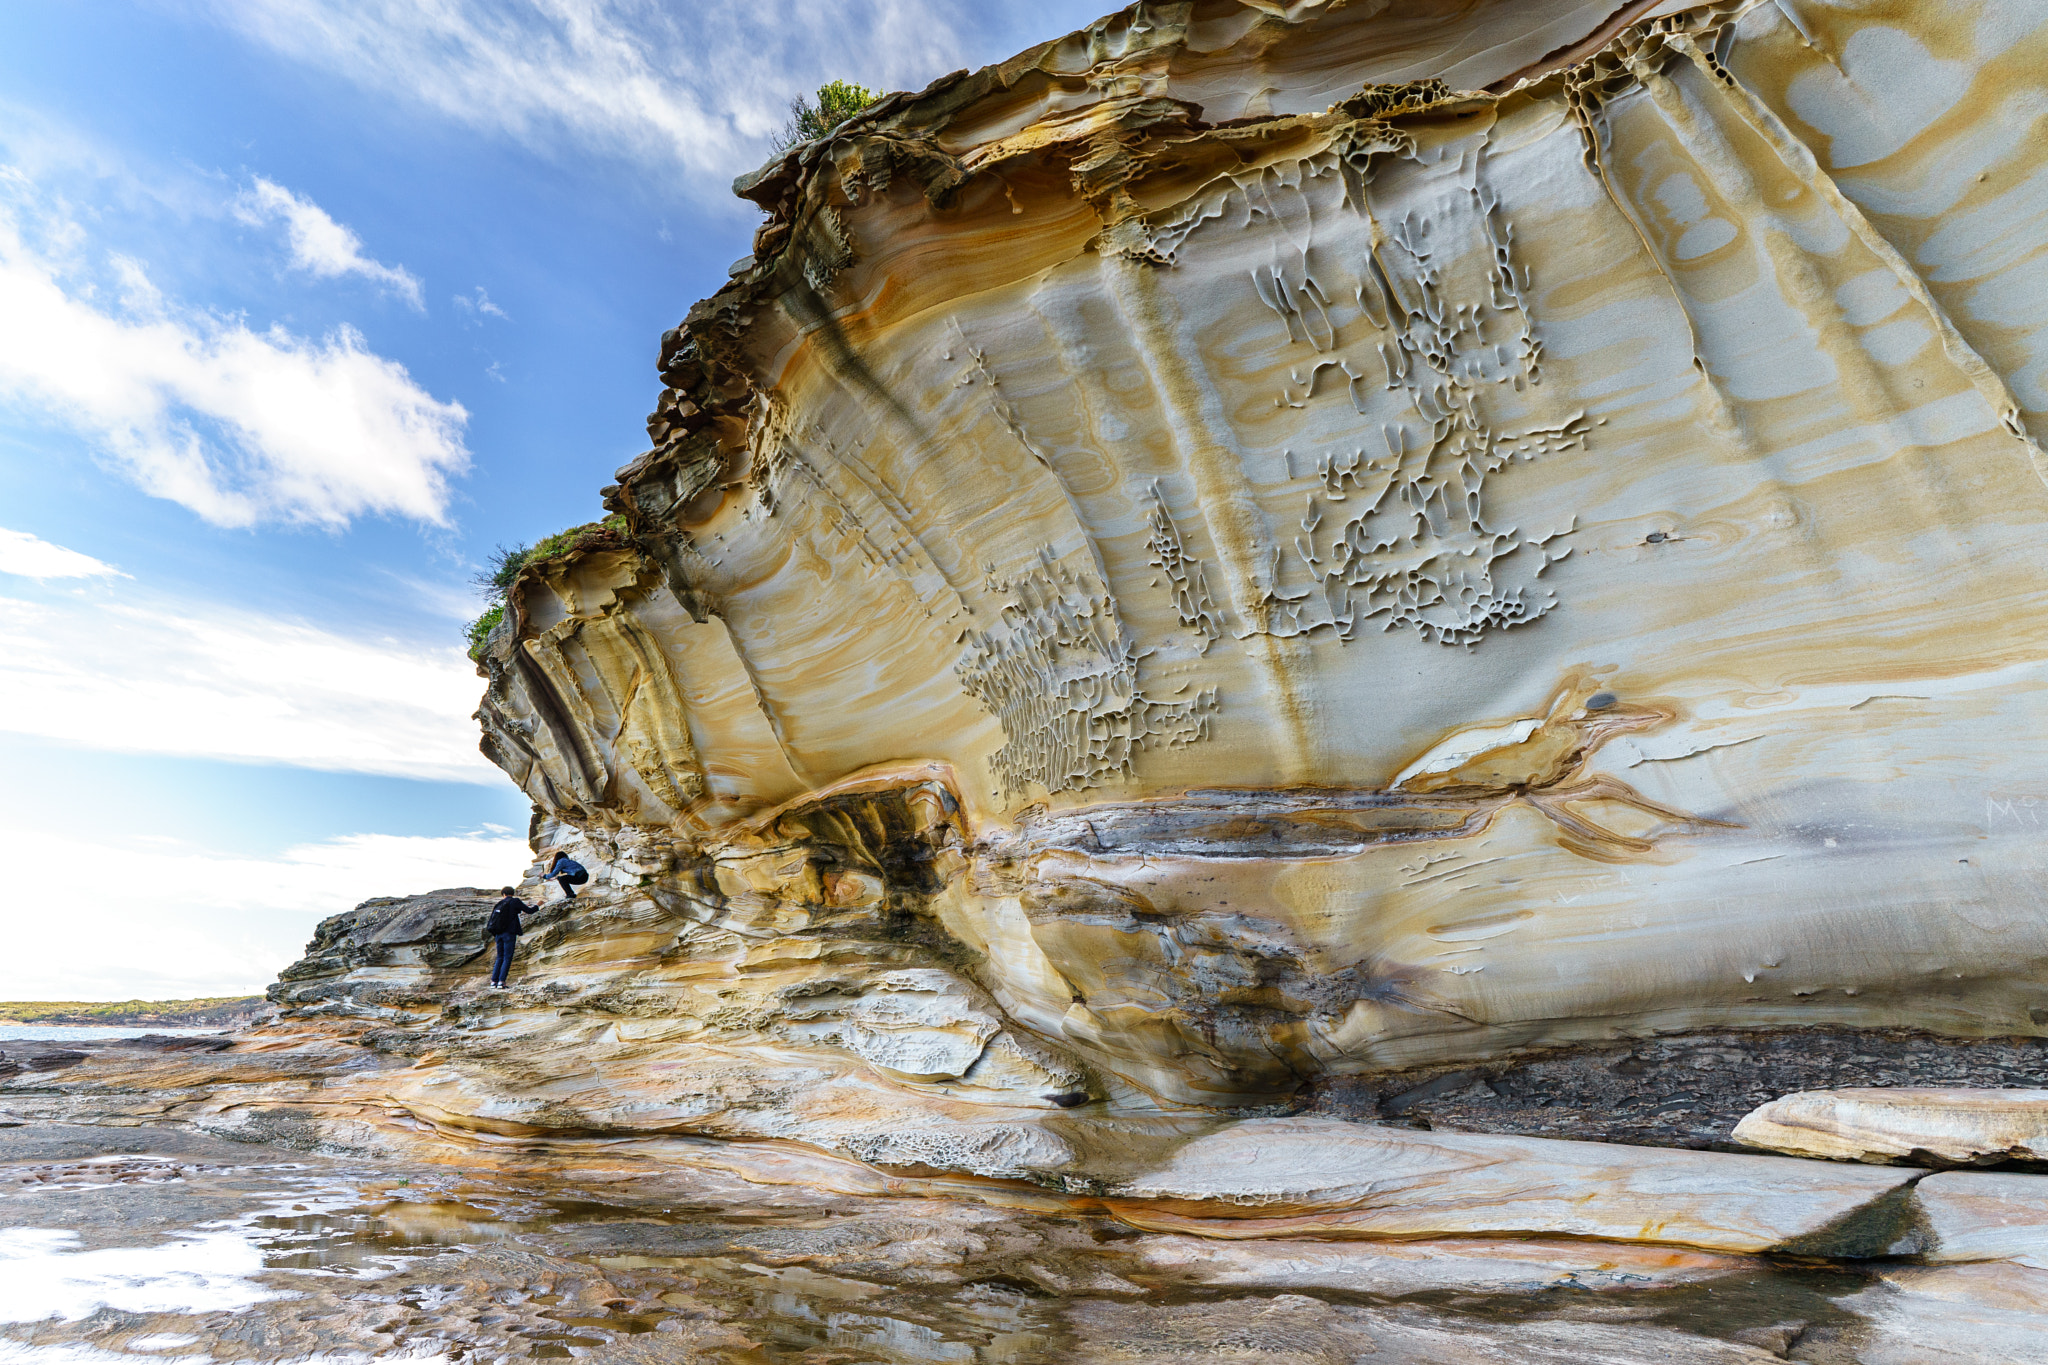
(159, 1243)
(1316, 1177)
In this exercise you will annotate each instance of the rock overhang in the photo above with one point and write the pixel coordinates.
(1420, 512)
(1224, 557)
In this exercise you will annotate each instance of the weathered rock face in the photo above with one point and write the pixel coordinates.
(1256, 542)
(1270, 565)
(1260, 566)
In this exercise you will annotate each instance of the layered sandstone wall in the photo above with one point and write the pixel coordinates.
(1346, 536)
(1263, 566)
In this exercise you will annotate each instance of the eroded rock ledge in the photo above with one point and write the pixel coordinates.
(899, 1079)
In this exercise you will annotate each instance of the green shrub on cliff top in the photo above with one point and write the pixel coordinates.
(495, 579)
(837, 102)
(506, 563)
(575, 538)
(480, 629)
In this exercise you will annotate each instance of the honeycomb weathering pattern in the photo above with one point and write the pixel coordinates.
(1397, 532)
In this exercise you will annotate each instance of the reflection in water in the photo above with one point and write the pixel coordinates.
(791, 1311)
(795, 1310)
(111, 1262)
(44, 1274)
(371, 1239)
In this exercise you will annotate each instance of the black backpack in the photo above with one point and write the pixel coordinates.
(504, 918)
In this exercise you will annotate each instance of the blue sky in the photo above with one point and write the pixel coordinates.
(304, 306)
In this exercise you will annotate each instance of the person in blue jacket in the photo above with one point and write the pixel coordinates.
(503, 926)
(567, 872)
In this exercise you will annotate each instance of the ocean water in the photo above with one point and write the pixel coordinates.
(79, 1033)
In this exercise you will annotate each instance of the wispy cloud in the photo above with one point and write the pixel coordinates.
(137, 672)
(451, 601)
(213, 923)
(30, 556)
(700, 86)
(242, 426)
(320, 246)
(479, 305)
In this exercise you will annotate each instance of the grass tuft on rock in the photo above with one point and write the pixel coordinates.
(506, 563)
(480, 629)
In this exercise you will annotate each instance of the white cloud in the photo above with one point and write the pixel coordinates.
(700, 86)
(139, 674)
(239, 425)
(33, 557)
(480, 305)
(320, 246)
(175, 922)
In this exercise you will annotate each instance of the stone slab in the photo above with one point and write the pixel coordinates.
(1986, 1216)
(1923, 1126)
(1317, 1177)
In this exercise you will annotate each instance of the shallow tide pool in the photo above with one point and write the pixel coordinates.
(124, 1245)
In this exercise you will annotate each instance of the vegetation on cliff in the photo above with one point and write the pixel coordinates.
(495, 580)
(837, 102)
(217, 1009)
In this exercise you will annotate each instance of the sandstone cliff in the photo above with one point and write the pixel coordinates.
(1261, 546)
(1260, 541)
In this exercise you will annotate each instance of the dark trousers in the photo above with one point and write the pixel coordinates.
(569, 881)
(503, 966)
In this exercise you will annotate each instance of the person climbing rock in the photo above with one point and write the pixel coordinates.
(567, 872)
(503, 926)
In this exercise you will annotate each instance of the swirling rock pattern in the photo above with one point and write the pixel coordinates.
(1265, 565)
(1263, 554)
(1267, 541)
